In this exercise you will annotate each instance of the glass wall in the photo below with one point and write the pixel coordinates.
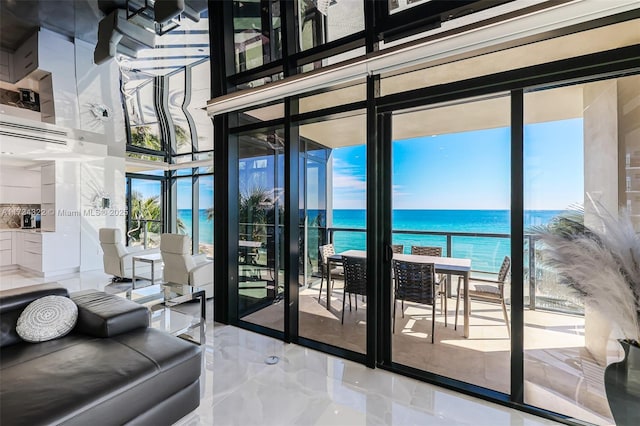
(257, 35)
(182, 132)
(450, 190)
(165, 91)
(313, 208)
(325, 21)
(261, 228)
(451, 207)
(200, 94)
(192, 205)
(143, 120)
(577, 142)
(332, 300)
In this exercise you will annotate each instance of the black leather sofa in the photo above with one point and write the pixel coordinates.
(112, 369)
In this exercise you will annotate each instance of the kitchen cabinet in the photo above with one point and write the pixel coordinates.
(25, 58)
(19, 185)
(32, 251)
(43, 253)
(6, 248)
(47, 109)
(6, 65)
(48, 201)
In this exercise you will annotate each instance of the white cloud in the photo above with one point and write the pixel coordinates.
(347, 181)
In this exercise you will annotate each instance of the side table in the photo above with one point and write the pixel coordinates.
(155, 260)
(162, 300)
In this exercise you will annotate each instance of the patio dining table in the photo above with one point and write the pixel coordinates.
(248, 251)
(443, 265)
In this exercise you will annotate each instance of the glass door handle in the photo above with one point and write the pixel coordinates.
(388, 253)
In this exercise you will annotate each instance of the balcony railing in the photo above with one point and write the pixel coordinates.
(536, 278)
(144, 237)
(543, 288)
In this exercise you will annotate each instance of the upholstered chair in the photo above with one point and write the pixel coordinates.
(180, 267)
(117, 258)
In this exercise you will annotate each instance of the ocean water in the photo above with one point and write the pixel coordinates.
(206, 226)
(486, 254)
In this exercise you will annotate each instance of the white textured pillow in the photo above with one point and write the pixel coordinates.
(47, 318)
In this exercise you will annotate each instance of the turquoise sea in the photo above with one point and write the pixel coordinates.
(486, 254)
(206, 226)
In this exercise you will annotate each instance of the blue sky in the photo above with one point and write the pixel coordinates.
(471, 170)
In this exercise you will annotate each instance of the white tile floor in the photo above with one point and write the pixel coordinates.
(305, 387)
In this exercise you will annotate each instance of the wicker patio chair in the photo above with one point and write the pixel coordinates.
(415, 282)
(488, 290)
(324, 252)
(355, 279)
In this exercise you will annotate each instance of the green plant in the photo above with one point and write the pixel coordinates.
(143, 136)
(253, 207)
(148, 212)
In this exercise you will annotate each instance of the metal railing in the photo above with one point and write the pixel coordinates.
(143, 226)
(533, 275)
(529, 249)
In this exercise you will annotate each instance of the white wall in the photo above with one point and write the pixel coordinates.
(100, 84)
(77, 85)
(100, 177)
(19, 185)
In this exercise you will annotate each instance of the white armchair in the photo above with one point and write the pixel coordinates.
(180, 267)
(116, 257)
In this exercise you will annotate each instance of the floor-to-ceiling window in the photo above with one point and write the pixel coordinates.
(165, 90)
(261, 227)
(333, 301)
(145, 205)
(577, 139)
(454, 139)
(451, 203)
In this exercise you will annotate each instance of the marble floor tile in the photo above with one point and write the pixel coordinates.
(306, 387)
(310, 388)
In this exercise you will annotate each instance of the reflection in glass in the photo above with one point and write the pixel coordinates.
(180, 124)
(261, 228)
(145, 131)
(324, 21)
(400, 5)
(567, 130)
(332, 204)
(200, 94)
(257, 33)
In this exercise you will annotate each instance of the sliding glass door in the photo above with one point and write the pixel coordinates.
(261, 228)
(450, 231)
(581, 159)
(332, 308)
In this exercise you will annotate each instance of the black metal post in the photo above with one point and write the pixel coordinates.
(517, 245)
